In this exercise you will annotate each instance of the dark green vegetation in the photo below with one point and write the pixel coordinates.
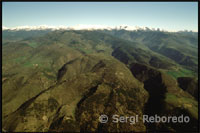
(64, 80)
(12, 36)
(180, 46)
(166, 99)
(189, 84)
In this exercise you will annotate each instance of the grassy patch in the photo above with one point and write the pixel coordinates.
(33, 62)
(19, 59)
(170, 98)
(33, 44)
(181, 73)
(83, 50)
(187, 103)
(28, 64)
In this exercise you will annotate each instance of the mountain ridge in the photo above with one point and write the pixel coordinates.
(90, 27)
(64, 80)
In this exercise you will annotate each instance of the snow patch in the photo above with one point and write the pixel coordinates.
(85, 27)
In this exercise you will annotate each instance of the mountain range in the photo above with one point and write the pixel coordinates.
(88, 27)
(62, 79)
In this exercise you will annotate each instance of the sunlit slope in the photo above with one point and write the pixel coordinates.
(182, 47)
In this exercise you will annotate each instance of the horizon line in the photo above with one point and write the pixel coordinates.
(93, 26)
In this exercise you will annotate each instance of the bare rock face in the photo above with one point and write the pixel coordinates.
(87, 87)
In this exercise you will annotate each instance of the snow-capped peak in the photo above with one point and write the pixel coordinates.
(83, 27)
(40, 27)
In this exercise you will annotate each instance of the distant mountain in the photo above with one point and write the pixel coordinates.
(89, 27)
(182, 47)
(155, 48)
(12, 35)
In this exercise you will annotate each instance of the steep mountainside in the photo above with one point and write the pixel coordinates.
(87, 87)
(97, 42)
(189, 84)
(64, 80)
(166, 99)
(27, 71)
(180, 47)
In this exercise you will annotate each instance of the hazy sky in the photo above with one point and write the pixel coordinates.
(164, 15)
